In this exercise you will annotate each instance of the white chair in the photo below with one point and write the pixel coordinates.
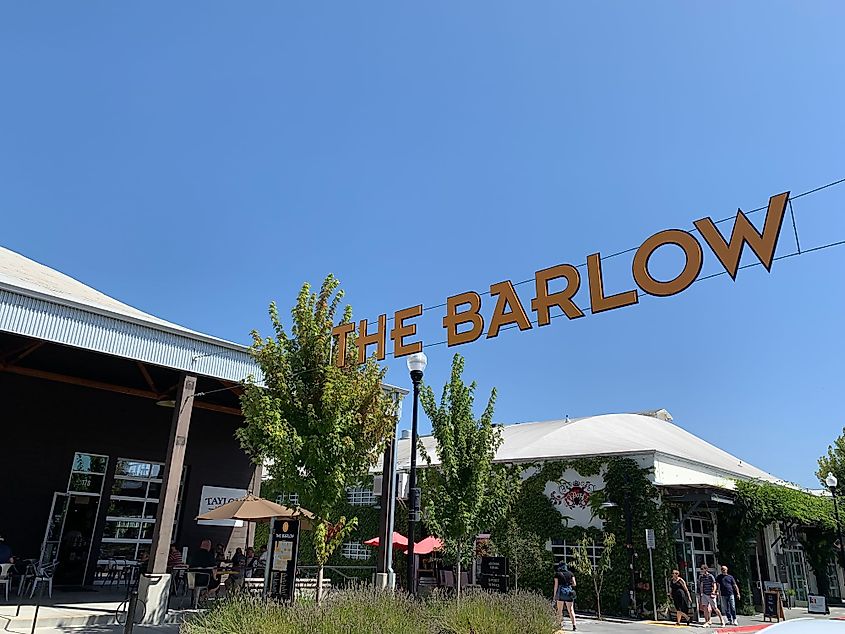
(6, 577)
(198, 580)
(44, 574)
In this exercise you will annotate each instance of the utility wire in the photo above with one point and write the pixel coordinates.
(632, 249)
(700, 279)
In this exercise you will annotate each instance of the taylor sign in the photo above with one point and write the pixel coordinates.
(464, 322)
(212, 497)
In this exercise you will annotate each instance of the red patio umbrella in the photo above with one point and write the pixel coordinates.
(427, 545)
(399, 541)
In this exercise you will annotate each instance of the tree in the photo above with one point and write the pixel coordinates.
(318, 426)
(584, 566)
(466, 492)
(525, 550)
(833, 462)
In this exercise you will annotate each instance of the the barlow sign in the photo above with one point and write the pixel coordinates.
(464, 323)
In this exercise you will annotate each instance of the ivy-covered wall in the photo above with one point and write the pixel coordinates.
(625, 482)
(759, 504)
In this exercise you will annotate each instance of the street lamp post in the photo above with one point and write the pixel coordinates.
(831, 483)
(416, 366)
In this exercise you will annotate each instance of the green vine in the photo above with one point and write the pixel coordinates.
(759, 504)
(624, 480)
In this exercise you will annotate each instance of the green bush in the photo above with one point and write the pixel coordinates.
(365, 612)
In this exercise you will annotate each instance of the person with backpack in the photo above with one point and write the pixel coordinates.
(564, 593)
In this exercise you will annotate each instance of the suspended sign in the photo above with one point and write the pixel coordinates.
(464, 322)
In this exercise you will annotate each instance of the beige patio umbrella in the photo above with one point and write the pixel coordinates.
(251, 508)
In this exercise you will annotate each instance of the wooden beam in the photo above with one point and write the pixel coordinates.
(169, 494)
(110, 387)
(74, 380)
(22, 352)
(235, 389)
(147, 376)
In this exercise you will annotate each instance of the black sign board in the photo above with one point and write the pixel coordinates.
(494, 574)
(497, 566)
(494, 583)
(772, 605)
(284, 546)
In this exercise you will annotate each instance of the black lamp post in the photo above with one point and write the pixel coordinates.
(416, 365)
(831, 483)
(629, 539)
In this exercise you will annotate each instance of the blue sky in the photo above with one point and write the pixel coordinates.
(199, 159)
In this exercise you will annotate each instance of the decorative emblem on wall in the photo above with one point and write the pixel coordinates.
(573, 495)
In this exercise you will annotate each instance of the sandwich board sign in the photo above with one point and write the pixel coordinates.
(817, 604)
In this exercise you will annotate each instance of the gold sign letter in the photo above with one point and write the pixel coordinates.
(365, 339)
(763, 245)
(401, 330)
(508, 299)
(342, 332)
(453, 318)
(692, 265)
(562, 299)
(598, 302)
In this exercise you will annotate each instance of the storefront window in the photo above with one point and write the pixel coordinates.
(563, 551)
(132, 509)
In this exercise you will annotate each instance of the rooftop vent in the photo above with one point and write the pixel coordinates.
(406, 434)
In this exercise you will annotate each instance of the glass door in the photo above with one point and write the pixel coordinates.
(55, 526)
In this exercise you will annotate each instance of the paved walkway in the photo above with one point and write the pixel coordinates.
(75, 613)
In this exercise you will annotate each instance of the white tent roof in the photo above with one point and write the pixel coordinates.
(607, 434)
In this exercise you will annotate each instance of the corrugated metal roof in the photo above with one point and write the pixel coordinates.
(39, 302)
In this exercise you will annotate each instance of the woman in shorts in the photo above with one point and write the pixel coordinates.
(565, 593)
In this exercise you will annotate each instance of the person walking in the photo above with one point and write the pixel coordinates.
(707, 592)
(729, 593)
(565, 593)
(679, 593)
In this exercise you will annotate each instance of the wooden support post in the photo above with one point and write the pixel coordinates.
(385, 531)
(172, 477)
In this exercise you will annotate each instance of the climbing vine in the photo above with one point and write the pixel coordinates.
(758, 504)
(624, 480)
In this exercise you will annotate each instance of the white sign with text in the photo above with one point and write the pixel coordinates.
(212, 497)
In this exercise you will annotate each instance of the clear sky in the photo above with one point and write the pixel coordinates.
(199, 159)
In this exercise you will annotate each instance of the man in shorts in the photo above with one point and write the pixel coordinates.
(707, 592)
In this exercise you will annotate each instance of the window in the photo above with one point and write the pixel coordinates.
(132, 509)
(564, 552)
(288, 499)
(360, 496)
(355, 550)
(699, 532)
(87, 474)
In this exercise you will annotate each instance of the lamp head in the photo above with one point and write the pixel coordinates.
(831, 480)
(417, 362)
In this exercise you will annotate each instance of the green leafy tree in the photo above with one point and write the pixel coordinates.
(319, 426)
(833, 461)
(525, 550)
(466, 493)
(585, 567)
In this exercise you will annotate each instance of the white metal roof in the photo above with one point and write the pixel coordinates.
(40, 302)
(607, 434)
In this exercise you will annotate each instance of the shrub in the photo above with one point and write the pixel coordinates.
(484, 613)
(364, 612)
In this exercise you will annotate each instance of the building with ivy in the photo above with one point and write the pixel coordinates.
(585, 476)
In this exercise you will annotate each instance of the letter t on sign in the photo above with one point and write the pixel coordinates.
(342, 332)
